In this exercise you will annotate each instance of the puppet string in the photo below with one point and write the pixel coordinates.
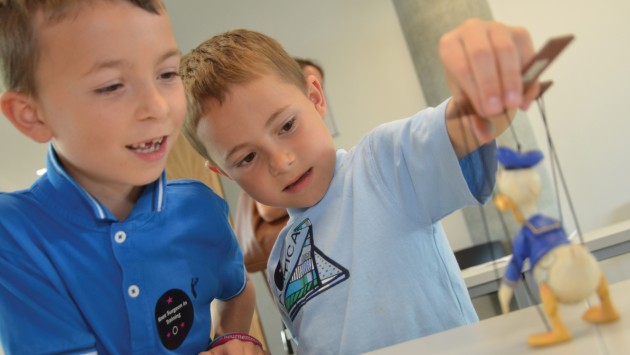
(555, 165)
(512, 130)
(464, 112)
(555, 162)
(541, 108)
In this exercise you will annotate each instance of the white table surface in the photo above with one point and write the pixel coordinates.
(507, 334)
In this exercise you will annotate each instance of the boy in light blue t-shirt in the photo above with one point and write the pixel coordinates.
(363, 262)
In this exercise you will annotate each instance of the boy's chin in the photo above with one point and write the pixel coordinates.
(149, 177)
(307, 203)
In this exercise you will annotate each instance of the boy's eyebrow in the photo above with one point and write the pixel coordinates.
(175, 52)
(274, 115)
(268, 123)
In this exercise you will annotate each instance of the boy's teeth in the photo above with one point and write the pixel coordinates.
(148, 147)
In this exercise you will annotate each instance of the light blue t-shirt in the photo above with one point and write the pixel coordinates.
(369, 265)
(76, 280)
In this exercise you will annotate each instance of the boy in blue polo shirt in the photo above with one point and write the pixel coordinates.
(363, 262)
(102, 254)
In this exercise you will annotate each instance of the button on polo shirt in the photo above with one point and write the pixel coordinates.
(133, 291)
(120, 237)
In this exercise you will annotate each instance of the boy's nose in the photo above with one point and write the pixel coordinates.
(281, 162)
(153, 103)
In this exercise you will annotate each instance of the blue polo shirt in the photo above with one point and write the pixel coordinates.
(75, 279)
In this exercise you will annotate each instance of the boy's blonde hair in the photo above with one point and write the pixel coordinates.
(19, 49)
(233, 57)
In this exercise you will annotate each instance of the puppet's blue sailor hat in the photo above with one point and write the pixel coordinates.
(511, 159)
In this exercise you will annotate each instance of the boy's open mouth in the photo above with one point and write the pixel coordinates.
(298, 181)
(148, 146)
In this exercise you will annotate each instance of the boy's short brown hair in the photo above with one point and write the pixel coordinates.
(19, 50)
(233, 57)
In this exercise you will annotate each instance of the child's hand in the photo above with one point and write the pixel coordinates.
(483, 63)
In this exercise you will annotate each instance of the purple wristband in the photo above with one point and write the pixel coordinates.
(233, 336)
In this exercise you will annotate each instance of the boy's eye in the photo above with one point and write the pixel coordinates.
(109, 89)
(248, 159)
(287, 126)
(169, 75)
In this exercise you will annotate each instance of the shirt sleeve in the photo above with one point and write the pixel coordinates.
(233, 268)
(36, 317)
(418, 166)
(479, 170)
(234, 274)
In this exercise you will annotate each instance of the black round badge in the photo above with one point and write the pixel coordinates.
(174, 315)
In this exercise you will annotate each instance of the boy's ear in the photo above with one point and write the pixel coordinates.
(316, 94)
(216, 170)
(21, 110)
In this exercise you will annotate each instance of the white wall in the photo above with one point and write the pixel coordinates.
(587, 107)
(20, 157)
(369, 73)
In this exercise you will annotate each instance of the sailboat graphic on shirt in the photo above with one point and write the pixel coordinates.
(313, 273)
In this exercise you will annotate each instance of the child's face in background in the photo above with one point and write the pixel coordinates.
(109, 92)
(272, 140)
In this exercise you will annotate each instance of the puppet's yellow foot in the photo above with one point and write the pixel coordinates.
(549, 338)
(597, 314)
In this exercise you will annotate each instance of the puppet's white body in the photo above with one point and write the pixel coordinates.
(570, 271)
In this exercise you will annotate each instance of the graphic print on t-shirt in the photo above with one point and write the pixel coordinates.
(303, 271)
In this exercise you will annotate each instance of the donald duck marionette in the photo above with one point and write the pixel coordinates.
(566, 272)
